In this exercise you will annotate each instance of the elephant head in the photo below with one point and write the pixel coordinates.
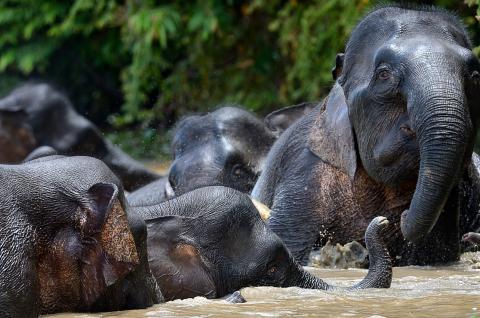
(69, 241)
(405, 106)
(211, 242)
(225, 147)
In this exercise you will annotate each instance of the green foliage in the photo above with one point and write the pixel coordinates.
(181, 57)
(144, 144)
(142, 64)
(474, 22)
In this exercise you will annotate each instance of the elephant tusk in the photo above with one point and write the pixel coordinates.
(263, 210)
(169, 192)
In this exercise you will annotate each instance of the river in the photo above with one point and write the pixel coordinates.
(446, 291)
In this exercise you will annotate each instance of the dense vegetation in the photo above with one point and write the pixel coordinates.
(136, 66)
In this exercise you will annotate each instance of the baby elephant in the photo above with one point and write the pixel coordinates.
(211, 242)
(68, 241)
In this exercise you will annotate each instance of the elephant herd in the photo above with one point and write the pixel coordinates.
(385, 159)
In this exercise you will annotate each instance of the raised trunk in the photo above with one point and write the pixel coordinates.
(379, 273)
(441, 121)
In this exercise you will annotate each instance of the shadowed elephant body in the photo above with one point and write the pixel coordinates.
(68, 241)
(211, 242)
(384, 141)
(36, 115)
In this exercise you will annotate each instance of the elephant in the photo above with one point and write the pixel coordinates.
(68, 240)
(36, 115)
(225, 147)
(395, 134)
(211, 242)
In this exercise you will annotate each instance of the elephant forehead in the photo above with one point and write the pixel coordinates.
(69, 173)
(420, 46)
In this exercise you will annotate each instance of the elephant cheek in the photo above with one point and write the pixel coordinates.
(59, 274)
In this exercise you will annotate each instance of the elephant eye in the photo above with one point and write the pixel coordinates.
(384, 74)
(238, 170)
(475, 76)
(272, 270)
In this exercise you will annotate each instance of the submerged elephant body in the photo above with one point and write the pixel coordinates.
(394, 137)
(36, 115)
(68, 241)
(211, 242)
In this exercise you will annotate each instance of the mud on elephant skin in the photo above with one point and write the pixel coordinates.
(394, 135)
(36, 115)
(212, 242)
(226, 147)
(69, 241)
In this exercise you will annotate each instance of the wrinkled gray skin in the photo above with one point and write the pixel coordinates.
(394, 135)
(68, 240)
(36, 115)
(212, 242)
(225, 147)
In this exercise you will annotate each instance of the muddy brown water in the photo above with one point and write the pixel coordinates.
(446, 291)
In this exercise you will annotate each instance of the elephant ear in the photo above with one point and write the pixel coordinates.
(331, 137)
(109, 252)
(177, 264)
(279, 120)
(337, 70)
(96, 253)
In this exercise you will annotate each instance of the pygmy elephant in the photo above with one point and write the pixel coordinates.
(395, 135)
(68, 241)
(225, 147)
(36, 115)
(211, 242)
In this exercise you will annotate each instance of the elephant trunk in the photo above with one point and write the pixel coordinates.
(303, 279)
(440, 118)
(155, 210)
(379, 273)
